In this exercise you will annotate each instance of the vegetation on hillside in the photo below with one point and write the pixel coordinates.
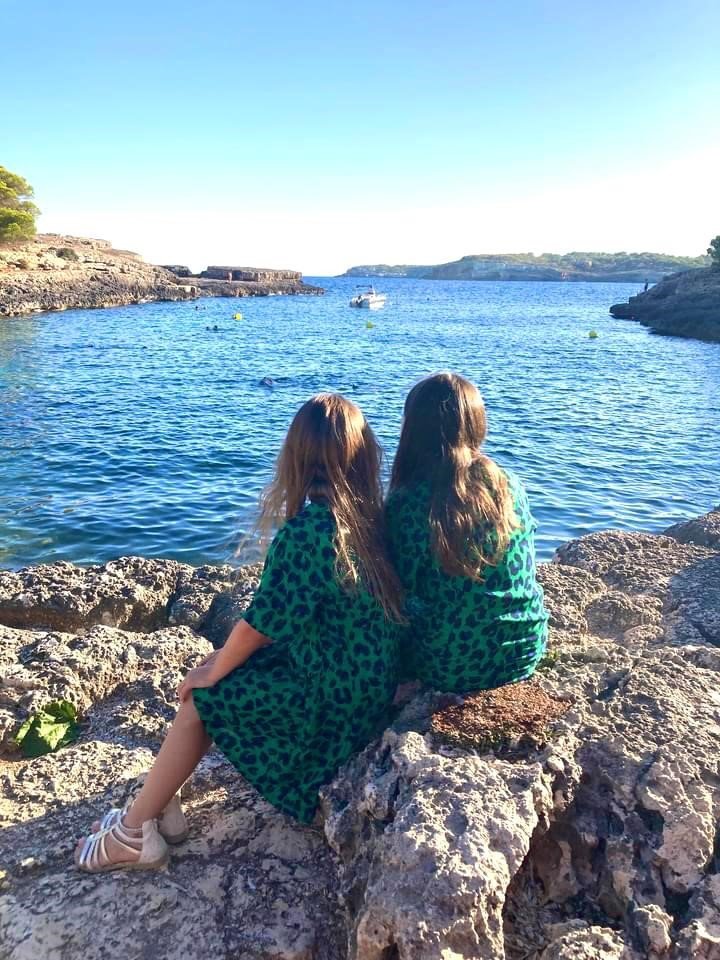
(17, 211)
(714, 251)
(547, 266)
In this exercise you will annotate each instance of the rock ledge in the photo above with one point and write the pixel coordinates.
(596, 838)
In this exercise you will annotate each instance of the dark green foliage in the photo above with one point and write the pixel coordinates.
(67, 253)
(53, 727)
(714, 251)
(17, 211)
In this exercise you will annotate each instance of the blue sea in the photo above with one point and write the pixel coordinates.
(137, 430)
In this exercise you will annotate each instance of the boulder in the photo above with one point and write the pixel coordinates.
(131, 593)
(196, 589)
(574, 816)
(703, 531)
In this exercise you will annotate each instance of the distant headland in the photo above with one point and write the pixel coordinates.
(612, 267)
(685, 304)
(56, 272)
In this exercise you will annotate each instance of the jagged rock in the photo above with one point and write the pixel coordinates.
(703, 531)
(684, 304)
(634, 563)
(248, 882)
(654, 581)
(426, 856)
(655, 928)
(131, 593)
(700, 939)
(590, 943)
(52, 272)
(196, 590)
(568, 591)
(227, 608)
(596, 840)
(39, 667)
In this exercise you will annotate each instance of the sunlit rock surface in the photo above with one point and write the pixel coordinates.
(594, 835)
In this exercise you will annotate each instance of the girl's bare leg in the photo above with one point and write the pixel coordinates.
(183, 748)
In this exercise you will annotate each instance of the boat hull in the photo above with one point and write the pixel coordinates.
(368, 303)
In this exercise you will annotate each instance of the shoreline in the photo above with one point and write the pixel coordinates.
(54, 273)
(684, 304)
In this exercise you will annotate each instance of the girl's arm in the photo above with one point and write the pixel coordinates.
(241, 644)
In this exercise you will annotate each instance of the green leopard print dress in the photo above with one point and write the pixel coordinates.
(466, 635)
(300, 707)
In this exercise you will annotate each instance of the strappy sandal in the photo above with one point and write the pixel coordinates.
(152, 849)
(172, 824)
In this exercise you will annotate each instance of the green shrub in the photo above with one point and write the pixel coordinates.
(16, 225)
(714, 251)
(17, 211)
(67, 253)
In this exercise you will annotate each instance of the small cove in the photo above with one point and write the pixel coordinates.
(138, 431)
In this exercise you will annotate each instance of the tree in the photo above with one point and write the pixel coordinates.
(17, 211)
(714, 251)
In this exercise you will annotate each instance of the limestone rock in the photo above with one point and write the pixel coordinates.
(53, 272)
(700, 938)
(227, 608)
(597, 840)
(38, 667)
(591, 943)
(197, 588)
(684, 304)
(634, 563)
(703, 531)
(131, 593)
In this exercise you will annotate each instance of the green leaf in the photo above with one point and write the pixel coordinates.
(49, 729)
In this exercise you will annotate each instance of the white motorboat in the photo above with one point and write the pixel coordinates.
(370, 300)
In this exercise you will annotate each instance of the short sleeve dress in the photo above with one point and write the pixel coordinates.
(465, 635)
(300, 707)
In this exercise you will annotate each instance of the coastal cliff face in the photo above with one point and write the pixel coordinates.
(608, 267)
(684, 305)
(574, 816)
(54, 272)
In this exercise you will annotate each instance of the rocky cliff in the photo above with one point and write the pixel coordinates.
(574, 817)
(684, 305)
(53, 272)
(613, 267)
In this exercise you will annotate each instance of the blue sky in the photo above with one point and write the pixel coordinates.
(320, 135)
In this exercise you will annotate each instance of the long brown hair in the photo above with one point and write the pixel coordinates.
(471, 505)
(331, 454)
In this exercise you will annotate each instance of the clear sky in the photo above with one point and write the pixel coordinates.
(318, 135)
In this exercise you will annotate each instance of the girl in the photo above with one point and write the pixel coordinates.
(307, 677)
(461, 536)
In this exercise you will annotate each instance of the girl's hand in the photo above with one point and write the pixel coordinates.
(196, 679)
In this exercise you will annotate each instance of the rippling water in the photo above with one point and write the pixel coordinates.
(136, 430)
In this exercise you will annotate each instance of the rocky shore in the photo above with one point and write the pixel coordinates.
(574, 817)
(54, 272)
(683, 305)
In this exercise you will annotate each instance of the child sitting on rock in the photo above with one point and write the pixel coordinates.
(307, 677)
(462, 541)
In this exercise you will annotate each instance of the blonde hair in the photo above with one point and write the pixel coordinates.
(330, 454)
(471, 505)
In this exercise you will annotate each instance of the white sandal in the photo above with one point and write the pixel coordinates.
(152, 849)
(172, 824)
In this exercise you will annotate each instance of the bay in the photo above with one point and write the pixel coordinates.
(137, 430)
